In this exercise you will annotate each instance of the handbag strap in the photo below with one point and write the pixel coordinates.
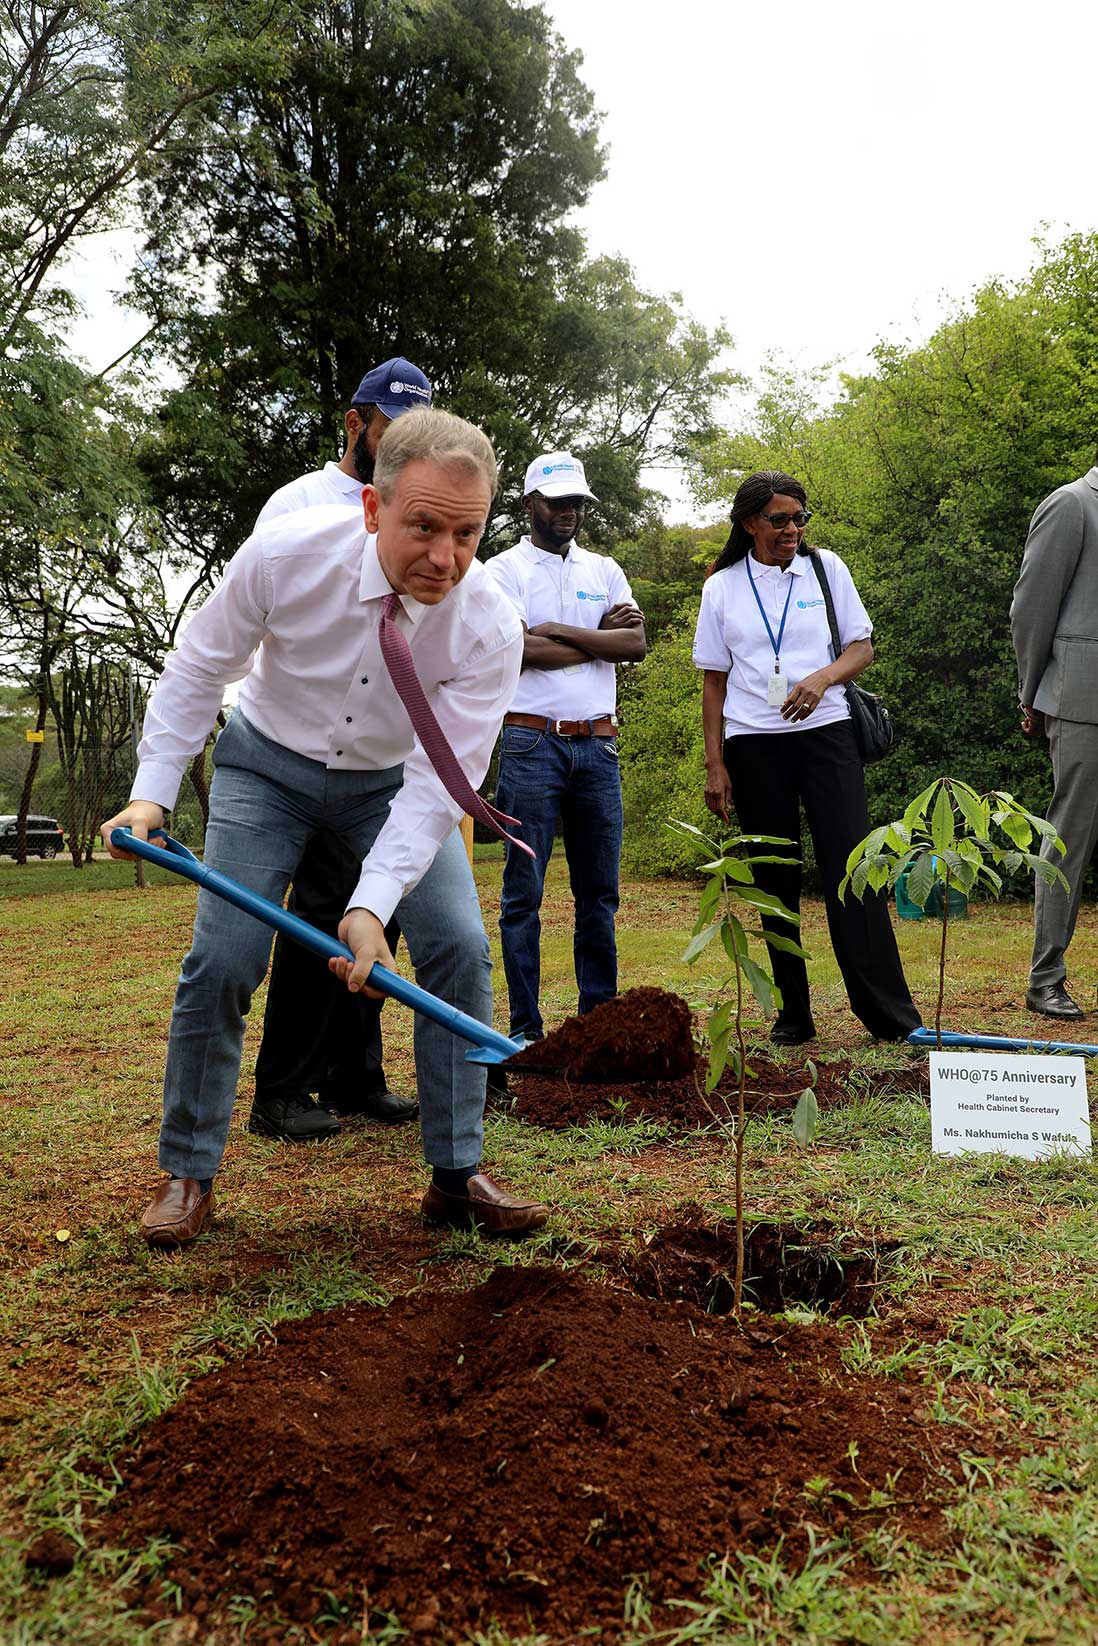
(825, 589)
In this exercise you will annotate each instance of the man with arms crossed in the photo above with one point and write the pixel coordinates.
(1054, 622)
(322, 739)
(559, 755)
(317, 1036)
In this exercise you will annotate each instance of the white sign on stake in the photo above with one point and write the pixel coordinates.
(1020, 1103)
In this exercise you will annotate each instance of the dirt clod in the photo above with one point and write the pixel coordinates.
(641, 1034)
(513, 1452)
(51, 1554)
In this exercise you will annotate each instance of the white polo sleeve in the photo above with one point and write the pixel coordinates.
(710, 647)
(850, 615)
(217, 647)
(470, 710)
(504, 572)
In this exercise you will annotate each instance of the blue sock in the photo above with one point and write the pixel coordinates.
(206, 1183)
(453, 1179)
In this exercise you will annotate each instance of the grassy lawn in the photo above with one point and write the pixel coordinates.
(991, 1295)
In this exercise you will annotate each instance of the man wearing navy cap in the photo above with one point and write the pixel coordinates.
(559, 753)
(317, 1037)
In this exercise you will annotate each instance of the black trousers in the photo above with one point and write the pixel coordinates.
(773, 775)
(317, 1036)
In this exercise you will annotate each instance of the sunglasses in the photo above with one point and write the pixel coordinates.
(780, 521)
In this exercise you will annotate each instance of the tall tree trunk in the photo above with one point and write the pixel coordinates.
(32, 771)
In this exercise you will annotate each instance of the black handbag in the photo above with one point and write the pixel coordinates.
(874, 732)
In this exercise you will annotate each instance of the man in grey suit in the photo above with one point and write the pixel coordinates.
(1054, 623)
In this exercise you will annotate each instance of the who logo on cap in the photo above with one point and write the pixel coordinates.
(557, 474)
(394, 388)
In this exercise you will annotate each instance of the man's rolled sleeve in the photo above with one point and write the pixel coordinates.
(470, 710)
(217, 648)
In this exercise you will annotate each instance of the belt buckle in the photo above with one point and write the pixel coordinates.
(558, 727)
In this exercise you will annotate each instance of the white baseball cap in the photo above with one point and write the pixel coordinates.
(557, 474)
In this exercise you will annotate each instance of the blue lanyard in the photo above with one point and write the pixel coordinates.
(777, 644)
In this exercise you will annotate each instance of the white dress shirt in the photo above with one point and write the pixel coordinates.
(731, 637)
(576, 588)
(308, 491)
(295, 617)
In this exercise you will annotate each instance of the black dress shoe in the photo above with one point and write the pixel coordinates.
(291, 1120)
(388, 1107)
(1052, 1000)
(787, 1033)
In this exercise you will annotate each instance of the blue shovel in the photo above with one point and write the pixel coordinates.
(488, 1045)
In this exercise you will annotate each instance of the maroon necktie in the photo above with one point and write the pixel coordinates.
(402, 670)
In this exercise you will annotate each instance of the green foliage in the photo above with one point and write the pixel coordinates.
(662, 753)
(945, 837)
(403, 186)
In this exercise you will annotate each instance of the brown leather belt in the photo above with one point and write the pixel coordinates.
(605, 726)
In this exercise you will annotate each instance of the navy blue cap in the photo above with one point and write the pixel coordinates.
(394, 388)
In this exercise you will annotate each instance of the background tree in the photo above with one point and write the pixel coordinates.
(404, 188)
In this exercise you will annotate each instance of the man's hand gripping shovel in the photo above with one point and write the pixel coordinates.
(488, 1046)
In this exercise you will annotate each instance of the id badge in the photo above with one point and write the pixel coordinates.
(777, 690)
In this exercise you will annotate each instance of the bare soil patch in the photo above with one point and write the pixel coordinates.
(785, 1264)
(683, 1104)
(514, 1452)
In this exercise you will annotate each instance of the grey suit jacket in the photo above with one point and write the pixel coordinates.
(1054, 613)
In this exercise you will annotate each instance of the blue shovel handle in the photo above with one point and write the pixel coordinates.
(489, 1045)
(998, 1043)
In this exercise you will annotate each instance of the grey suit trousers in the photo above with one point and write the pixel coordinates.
(1073, 813)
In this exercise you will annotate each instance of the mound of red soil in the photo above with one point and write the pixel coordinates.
(514, 1453)
(641, 1034)
(772, 1088)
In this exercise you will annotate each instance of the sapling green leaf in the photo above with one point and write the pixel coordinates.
(805, 1118)
(945, 838)
(701, 940)
(777, 940)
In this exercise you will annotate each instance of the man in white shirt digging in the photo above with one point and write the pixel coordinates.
(322, 739)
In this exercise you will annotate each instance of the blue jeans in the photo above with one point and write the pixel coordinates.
(265, 804)
(543, 776)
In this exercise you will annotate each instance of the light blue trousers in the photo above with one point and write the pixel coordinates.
(265, 803)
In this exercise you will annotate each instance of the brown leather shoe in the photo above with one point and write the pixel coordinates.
(178, 1213)
(487, 1206)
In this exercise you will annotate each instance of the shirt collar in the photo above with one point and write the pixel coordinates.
(345, 482)
(798, 567)
(542, 557)
(374, 585)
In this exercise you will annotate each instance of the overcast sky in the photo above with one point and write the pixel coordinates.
(819, 176)
(822, 175)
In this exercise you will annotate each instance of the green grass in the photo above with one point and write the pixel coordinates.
(991, 1296)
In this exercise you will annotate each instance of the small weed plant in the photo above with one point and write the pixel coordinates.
(945, 838)
(729, 892)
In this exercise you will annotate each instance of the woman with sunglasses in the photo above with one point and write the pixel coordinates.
(778, 737)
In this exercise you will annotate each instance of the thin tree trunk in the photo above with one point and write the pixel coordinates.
(942, 962)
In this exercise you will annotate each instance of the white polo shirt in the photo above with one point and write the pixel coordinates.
(295, 617)
(308, 491)
(576, 588)
(731, 637)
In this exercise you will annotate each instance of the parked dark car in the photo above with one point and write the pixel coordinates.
(44, 836)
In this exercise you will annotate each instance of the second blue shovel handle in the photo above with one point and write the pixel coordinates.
(493, 1046)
